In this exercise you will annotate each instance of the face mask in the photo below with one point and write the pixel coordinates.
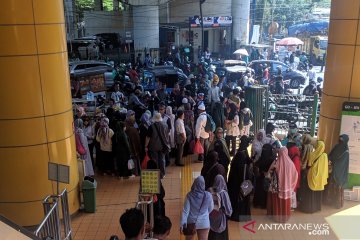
(293, 131)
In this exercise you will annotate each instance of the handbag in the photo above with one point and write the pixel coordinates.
(145, 161)
(189, 229)
(131, 164)
(198, 148)
(79, 147)
(165, 148)
(246, 186)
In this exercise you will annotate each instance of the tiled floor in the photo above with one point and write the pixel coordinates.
(114, 196)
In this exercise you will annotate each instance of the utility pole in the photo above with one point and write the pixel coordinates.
(202, 25)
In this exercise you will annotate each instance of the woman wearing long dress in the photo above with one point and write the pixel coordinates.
(339, 158)
(79, 125)
(121, 150)
(294, 154)
(283, 182)
(316, 176)
(218, 219)
(240, 164)
(268, 155)
(212, 168)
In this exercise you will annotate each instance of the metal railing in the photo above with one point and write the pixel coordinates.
(146, 204)
(283, 109)
(50, 227)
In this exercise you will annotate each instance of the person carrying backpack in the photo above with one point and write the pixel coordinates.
(245, 119)
(222, 210)
(200, 133)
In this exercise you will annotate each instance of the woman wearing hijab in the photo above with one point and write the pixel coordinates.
(104, 137)
(218, 219)
(89, 171)
(317, 174)
(240, 164)
(169, 115)
(197, 207)
(89, 132)
(189, 127)
(135, 143)
(268, 155)
(246, 117)
(232, 127)
(257, 144)
(219, 137)
(283, 182)
(339, 160)
(122, 150)
(212, 168)
(294, 154)
(143, 128)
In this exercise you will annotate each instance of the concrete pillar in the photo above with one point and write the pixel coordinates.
(241, 19)
(342, 75)
(146, 27)
(36, 110)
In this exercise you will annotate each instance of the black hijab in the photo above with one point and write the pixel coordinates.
(339, 156)
(268, 155)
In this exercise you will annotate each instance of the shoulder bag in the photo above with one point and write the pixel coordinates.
(165, 148)
(190, 228)
(246, 186)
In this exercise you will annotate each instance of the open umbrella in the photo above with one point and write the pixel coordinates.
(242, 51)
(289, 41)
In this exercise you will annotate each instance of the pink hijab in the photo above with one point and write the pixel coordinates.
(287, 174)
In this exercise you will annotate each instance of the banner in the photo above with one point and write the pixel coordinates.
(350, 125)
(209, 22)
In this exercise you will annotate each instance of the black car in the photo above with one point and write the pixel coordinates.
(295, 77)
(152, 77)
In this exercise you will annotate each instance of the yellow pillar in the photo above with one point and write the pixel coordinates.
(342, 75)
(36, 111)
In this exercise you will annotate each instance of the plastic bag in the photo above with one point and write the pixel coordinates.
(131, 164)
(145, 161)
(198, 148)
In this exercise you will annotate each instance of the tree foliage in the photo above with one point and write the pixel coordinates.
(286, 12)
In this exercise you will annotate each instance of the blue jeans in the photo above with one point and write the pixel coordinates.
(159, 158)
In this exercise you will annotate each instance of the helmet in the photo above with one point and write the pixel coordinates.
(320, 79)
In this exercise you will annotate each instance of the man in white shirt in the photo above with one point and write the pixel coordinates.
(200, 133)
(180, 137)
(117, 96)
(311, 73)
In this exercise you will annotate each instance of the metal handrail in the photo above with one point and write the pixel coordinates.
(51, 225)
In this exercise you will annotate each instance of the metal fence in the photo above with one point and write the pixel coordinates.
(50, 227)
(283, 109)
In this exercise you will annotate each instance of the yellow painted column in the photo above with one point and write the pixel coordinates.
(342, 75)
(36, 112)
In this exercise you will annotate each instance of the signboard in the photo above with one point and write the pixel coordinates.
(150, 181)
(221, 21)
(58, 172)
(350, 125)
(84, 84)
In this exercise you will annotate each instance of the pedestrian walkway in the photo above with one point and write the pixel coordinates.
(114, 196)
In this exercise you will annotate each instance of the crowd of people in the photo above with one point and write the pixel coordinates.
(277, 175)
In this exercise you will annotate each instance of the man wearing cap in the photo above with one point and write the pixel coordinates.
(200, 133)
